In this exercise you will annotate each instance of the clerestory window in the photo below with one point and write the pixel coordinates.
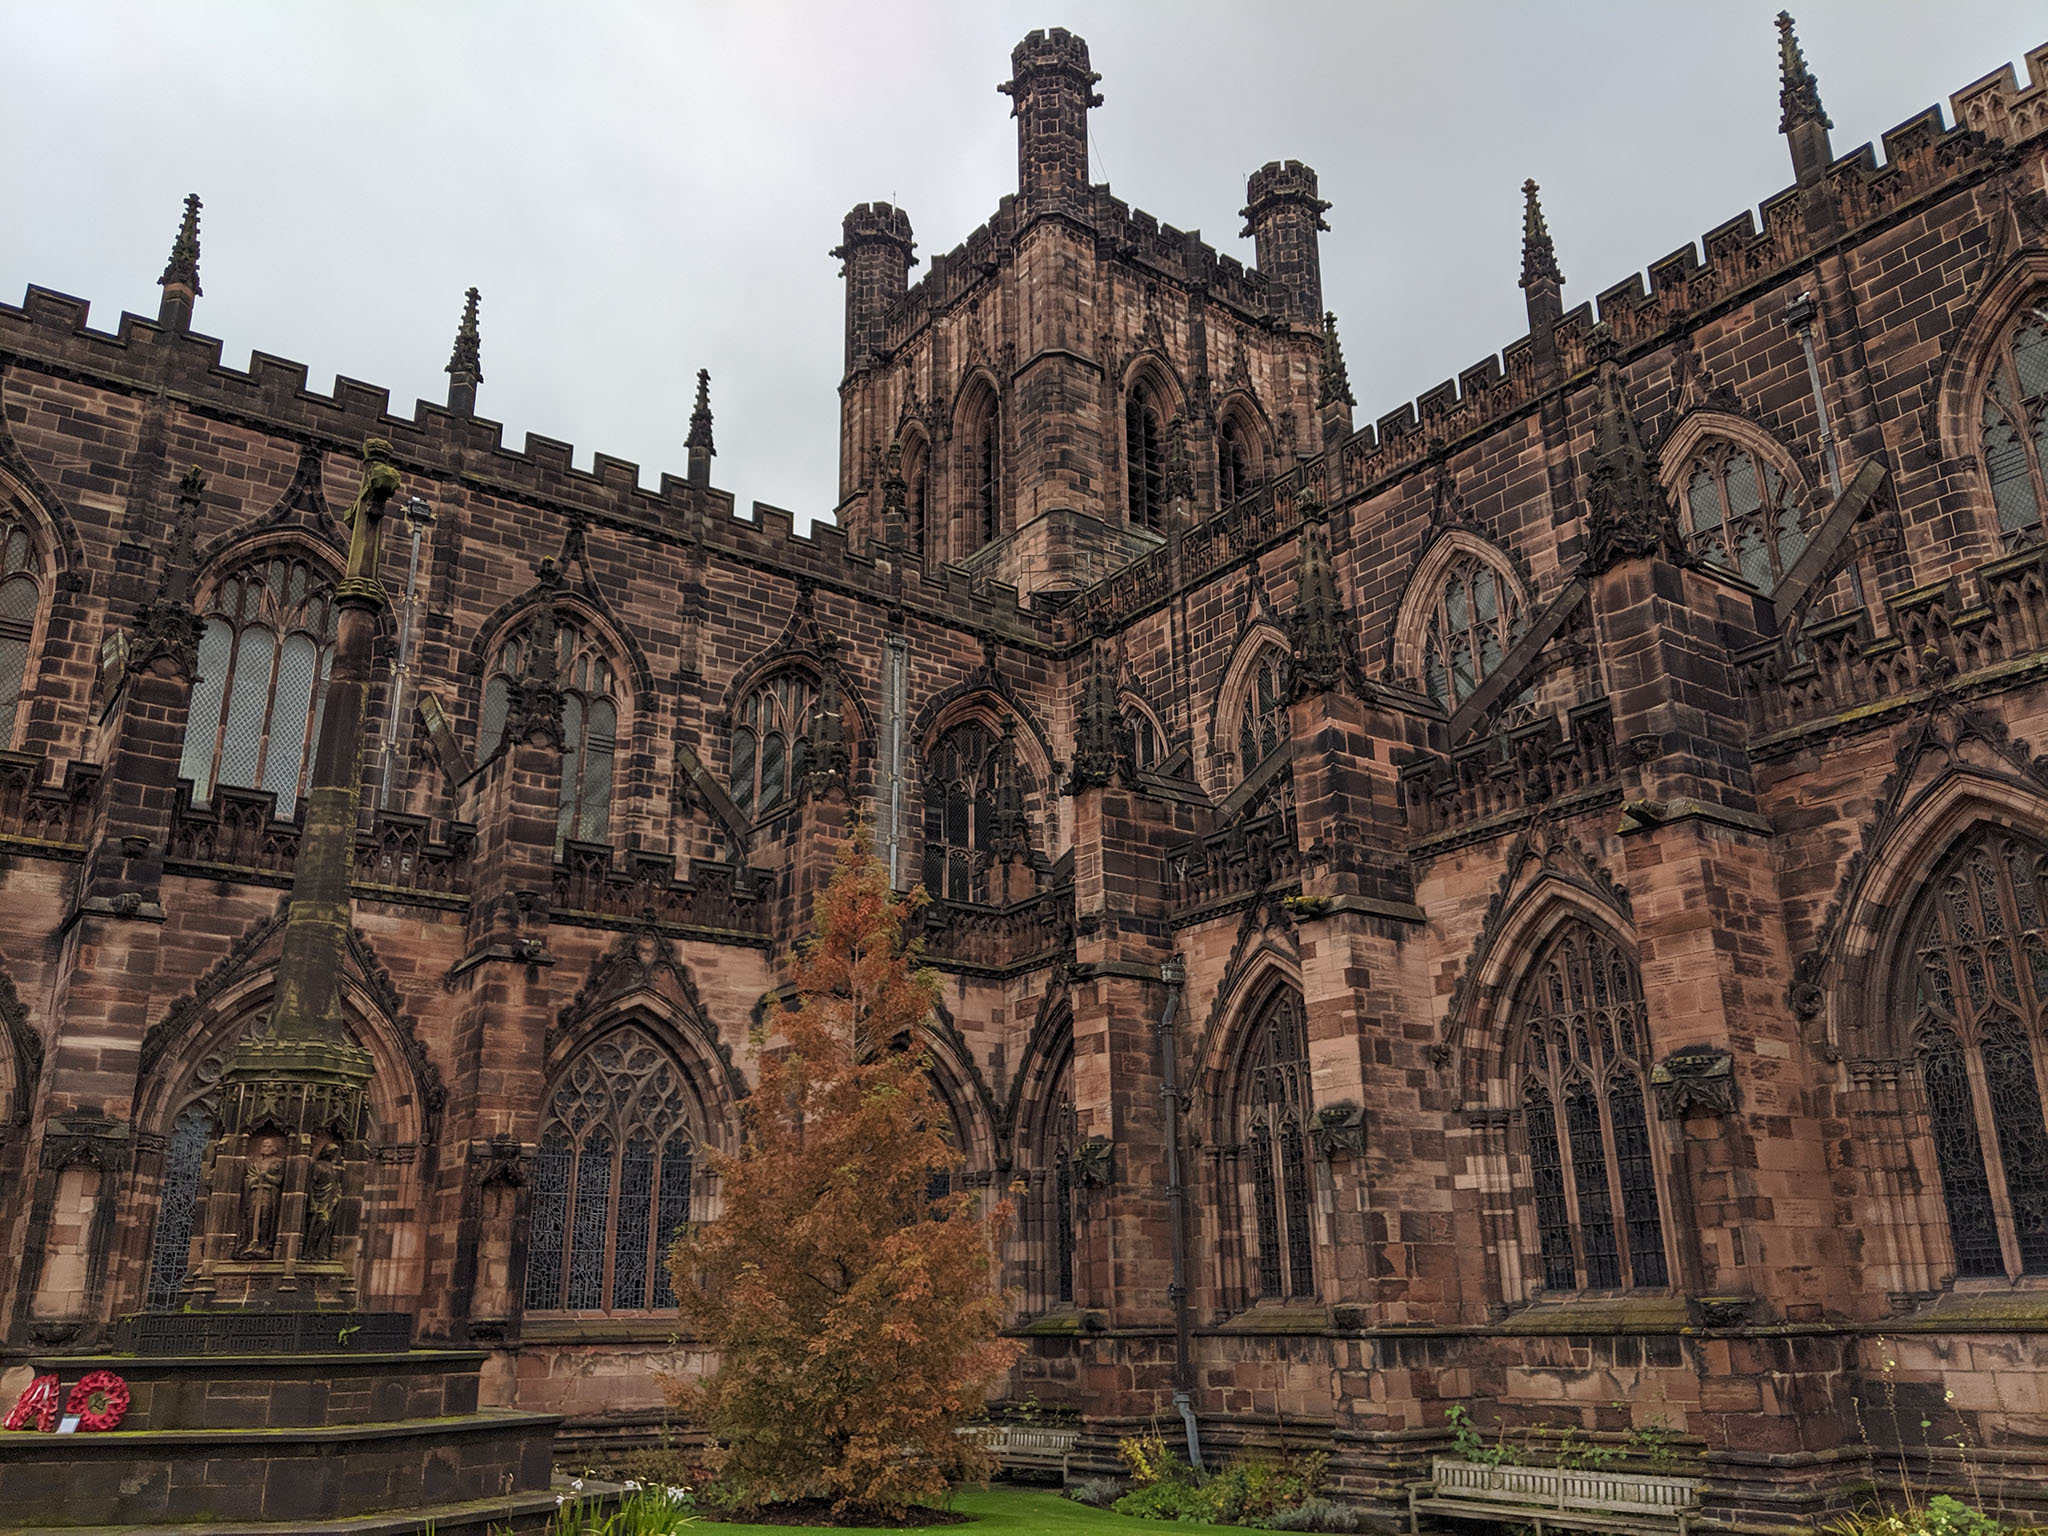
(2015, 428)
(1742, 515)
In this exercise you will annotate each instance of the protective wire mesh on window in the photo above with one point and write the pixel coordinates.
(590, 726)
(1262, 718)
(1585, 1036)
(1742, 517)
(2015, 427)
(1273, 1098)
(264, 657)
(611, 1180)
(960, 812)
(21, 598)
(1145, 446)
(771, 744)
(177, 1206)
(1974, 989)
(1476, 618)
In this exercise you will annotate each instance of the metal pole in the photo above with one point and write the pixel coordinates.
(894, 649)
(1172, 973)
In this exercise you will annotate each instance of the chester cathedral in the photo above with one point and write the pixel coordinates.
(1534, 903)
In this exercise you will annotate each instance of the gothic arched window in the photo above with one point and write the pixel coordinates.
(983, 460)
(177, 1206)
(917, 477)
(590, 725)
(1975, 986)
(1585, 1034)
(1262, 726)
(1145, 459)
(771, 743)
(2015, 425)
(1742, 515)
(1273, 1117)
(611, 1180)
(1146, 747)
(1233, 462)
(960, 811)
(261, 681)
(21, 599)
(1475, 619)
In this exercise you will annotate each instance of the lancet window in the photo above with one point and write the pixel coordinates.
(2015, 427)
(612, 1180)
(177, 1206)
(1233, 462)
(21, 599)
(984, 464)
(771, 743)
(1145, 453)
(1274, 1109)
(1585, 1034)
(1262, 718)
(1742, 515)
(261, 684)
(1143, 736)
(917, 485)
(590, 723)
(1975, 984)
(1475, 619)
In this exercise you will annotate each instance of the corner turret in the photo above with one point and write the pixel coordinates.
(1283, 215)
(1052, 89)
(876, 255)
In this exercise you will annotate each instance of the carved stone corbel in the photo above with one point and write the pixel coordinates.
(1696, 1079)
(1339, 1130)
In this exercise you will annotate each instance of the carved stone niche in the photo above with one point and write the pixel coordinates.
(1694, 1080)
(1339, 1130)
(1091, 1162)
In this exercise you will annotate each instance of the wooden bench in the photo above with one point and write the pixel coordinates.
(1559, 1498)
(1026, 1447)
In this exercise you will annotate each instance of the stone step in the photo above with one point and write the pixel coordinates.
(303, 1391)
(523, 1514)
(293, 1477)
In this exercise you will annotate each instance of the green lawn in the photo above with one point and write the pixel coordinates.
(1012, 1512)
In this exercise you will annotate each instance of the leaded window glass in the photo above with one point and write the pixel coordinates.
(1274, 1113)
(917, 489)
(21, 599)
(960, 810)
(264, 657)
(1974, 988)
(1145, 449)
(984, 475)
(1584, 1036)
(1476, 618)
(1742, 515)
(611, 1181)
(177, 1206)
(1146, 749)
(1233, 462)
(1262, 725)
(590, 724)
(2015, 428)
(771, 743)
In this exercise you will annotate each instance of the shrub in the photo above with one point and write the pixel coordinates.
(1939, 1516)
(1095, 1492)
(1314, 1515)
(1169, 1501)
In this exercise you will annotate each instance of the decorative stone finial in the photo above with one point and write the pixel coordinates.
(1798, 90)
(1321, 650)
(700, 418)
(1095, 732)
(1335, 385)
(465, 364)
(1539, 256)
(180, 281)
(1628, 517)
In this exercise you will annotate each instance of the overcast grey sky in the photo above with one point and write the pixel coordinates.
(643, 189)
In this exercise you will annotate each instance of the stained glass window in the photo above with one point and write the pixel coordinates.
(1584, 1034)
(264, 658)
(1262, 719)
(1975, 985)
(771, 743)
(2015, 428)
(1742, 516)
(1476, 619)
(177, 1206)
(611, 1180)
(1274, 1100)
(21, 599)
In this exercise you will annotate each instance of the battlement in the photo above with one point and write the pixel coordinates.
(1051, 49)
(1279, 181)
(50, 331)
(882, 223)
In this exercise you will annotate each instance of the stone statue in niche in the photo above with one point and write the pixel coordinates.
(323, 1202)
(262, 1193)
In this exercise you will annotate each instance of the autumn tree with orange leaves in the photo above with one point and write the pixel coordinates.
(854, 1316)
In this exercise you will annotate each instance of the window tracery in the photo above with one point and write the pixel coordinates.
(1274, 1111)
(965, 823)
(260, 684)
(1742, 515)
(1974, 988)
(590, 724)
(1585, 1035)
(1146, 747)
(2015, 427)
(21, 600)
(1233, 462)
(984, 463)
(1476, 618)
(612, 1178)
(1145, 459)
(772, 743)
(1262, 724)
(917, 462)
(177, 1205)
